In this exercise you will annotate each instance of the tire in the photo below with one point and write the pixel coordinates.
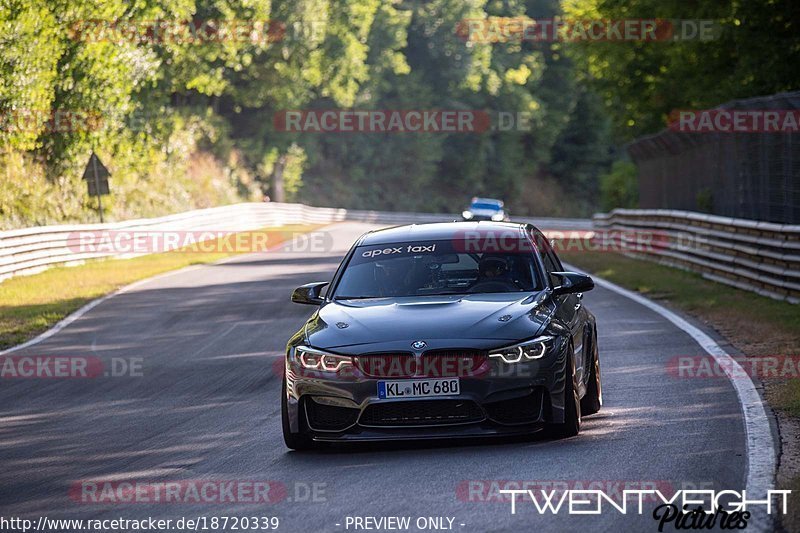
(295, 441)
(572, 407)
(592, 401)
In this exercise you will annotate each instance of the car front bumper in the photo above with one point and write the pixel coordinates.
(502, 399)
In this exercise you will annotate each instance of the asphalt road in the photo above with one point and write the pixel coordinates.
(206, 406)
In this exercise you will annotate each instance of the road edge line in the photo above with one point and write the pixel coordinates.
(761, 459)
(77, 314)
(759, 439)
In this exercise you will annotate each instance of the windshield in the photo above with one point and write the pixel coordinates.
(437, 268)
(482, 205)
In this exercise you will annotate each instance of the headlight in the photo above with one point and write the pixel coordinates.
(313, 359)
(526, 351)
(467, 214)
(498, 217)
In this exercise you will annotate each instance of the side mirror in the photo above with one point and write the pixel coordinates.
(572, 282)
(309, 293)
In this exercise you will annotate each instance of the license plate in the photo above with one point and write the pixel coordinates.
(418, 388)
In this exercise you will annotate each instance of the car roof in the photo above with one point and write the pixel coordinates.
(435, 231)
(500, 203)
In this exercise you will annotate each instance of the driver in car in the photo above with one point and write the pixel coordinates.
(493, 276)
(392, 276)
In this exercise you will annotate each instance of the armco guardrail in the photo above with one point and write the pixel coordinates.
(761, 257)
(30, 250)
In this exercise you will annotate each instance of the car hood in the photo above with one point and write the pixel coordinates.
(477, 320)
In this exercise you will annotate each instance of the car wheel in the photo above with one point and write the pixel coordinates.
(593, 399)
(295, 441)
(572, 407)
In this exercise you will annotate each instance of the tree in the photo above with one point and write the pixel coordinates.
(752, 51)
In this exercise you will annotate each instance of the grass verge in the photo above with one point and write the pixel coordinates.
(33, 304)
(756, 325)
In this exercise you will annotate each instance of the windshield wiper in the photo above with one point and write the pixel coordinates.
(399, 296)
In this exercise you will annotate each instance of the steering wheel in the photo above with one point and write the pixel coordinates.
(492, 286)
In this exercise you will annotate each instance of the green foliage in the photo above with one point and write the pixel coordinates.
(178, 102)
(80, 84)
(295, 161)
(581, 150)
(30, 51)
(752, 51)
(619, 187)
(705, 200)
(440, 70)
(25, 201)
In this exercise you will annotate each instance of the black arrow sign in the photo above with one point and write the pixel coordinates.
(96, 176)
